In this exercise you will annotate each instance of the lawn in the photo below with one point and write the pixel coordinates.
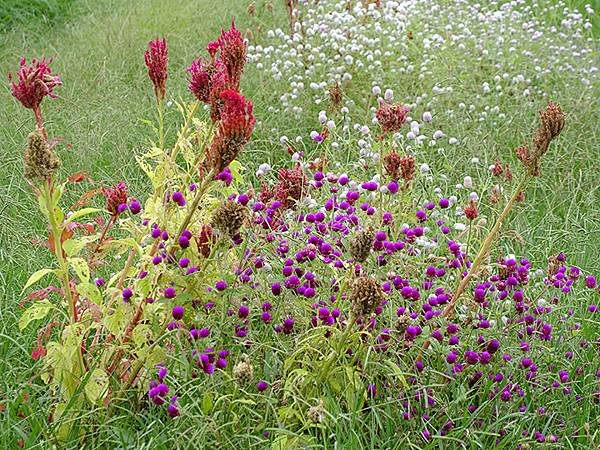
(106, 107)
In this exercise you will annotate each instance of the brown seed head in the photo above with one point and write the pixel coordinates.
(365, 295)
(361, 244)
(40, 160)
(229, 217)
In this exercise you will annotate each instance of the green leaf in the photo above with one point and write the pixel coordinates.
(35, 277)
(81, 268)
(207, 403)
(82, 213)
(90, 291)
(36, 311)
(115, 322)
(74, 246)
(126, 242)
(96, 387)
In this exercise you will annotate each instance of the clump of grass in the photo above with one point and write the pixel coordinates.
(28, 13)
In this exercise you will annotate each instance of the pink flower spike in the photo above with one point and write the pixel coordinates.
(156, 58)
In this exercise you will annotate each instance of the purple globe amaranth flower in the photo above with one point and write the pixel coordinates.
(135, 207)
(170, 292)
(221, 285)
(262, 386)
(178, 312)
(156, 59)
(158, 393)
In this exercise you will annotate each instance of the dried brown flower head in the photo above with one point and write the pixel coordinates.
(365, 295)
(40, 160)
(336, 95)
(316, 414)
(243, 371)
(361, 244)
(552, 122)
(229, 217)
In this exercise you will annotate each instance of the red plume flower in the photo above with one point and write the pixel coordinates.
(391, 117)
(35, 81)
(204, 75)
(116, 198)
(156, 58)
(235, 128)
(233, 53)
(212, 48)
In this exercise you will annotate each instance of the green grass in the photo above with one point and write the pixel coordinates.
(104, 102)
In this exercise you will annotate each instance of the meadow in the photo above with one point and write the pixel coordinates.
(368, 300)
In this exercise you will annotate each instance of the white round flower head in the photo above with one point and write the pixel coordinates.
(376, 90)
(438, 134)
(452, 141)
(468, 182)
(364, 129)
(345, 110)
(475, 160)
(259, 173)
(427, 117)
(314, 134)
(388, 95)
(474, 196)
(296, 157)
(453, 199)
(331, 124)
(424, 168)
(283, 139)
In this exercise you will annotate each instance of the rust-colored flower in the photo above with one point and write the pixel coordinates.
(292, 185)
(157, 58)
(205, 240)
(471, 210)
(235, 128)
(391, 117)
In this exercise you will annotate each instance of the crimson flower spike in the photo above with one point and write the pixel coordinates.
(34, 82)
(156, 59)
(233, 53)
(235, 128)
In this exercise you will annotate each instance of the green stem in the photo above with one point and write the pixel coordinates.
(58, 250)
(325, 371)
(485, 246)
(160, 104)
(194, 205)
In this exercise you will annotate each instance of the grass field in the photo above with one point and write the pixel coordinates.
(102, 112)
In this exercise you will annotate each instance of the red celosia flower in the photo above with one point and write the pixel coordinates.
(233, 53)
(157, 57)
(235, 128)
(116, 198)
(35, 81)
(205, 240)
(391, 117)
(204, 75)
(291, 186)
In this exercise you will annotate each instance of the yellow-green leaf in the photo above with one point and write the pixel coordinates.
(74, 246)
(35, 277)
(81, 213)
(36, 311)
(90, 291)
(96, 387)
(81, 268)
